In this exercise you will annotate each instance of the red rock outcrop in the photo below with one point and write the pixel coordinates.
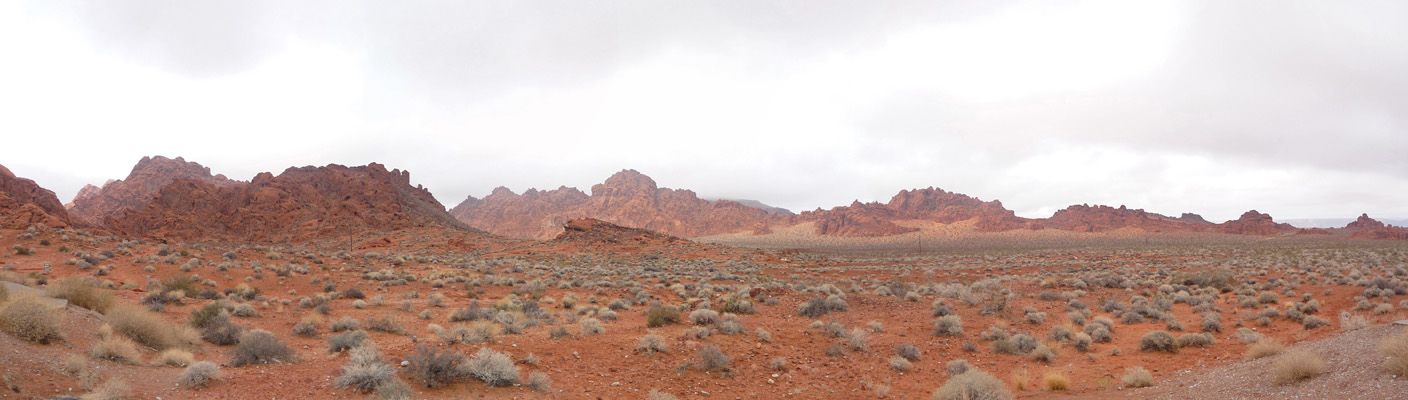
(150, 175)
(929, 204)
(1369, 228)
(1253, 223)
(1100, 218)
(300, 204)
(627, 198)
(1194, 219)
(24, 203)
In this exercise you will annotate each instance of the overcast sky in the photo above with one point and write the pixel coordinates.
(1297, 109)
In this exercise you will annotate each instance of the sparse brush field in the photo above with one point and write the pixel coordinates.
(212, 321)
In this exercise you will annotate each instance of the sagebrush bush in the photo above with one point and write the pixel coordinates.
(364, 378)
(346, 324)
(539, 381)
(200, 374)
(1298, 365)
(711, 358)
(1137, 377)
(259, 346)
(220, 331)
(1195, 340)
(658, 316)
(112, 389)
(148, 328)
(202, 315)
(652, 344)
(899, 363)
(80, 291)
(591, 326)
(908, 351)
(493, 368)
(948, 325)
(30, 319)
(1158, 341)
(346, 340)
(435, 369)
(972, 385)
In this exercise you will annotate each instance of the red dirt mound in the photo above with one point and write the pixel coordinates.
(930, 204)
(627, 198)
(299, 204)
(24, 203)
(93, 204)
(1100, 218)
(1254, 223)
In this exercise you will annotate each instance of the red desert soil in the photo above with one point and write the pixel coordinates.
(607, 365)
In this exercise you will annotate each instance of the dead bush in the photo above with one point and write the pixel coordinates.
(30, 319)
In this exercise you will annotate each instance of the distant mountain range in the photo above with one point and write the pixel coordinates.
(1337, 222)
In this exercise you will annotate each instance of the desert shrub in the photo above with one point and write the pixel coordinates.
(346, 324)
(591, 326)
(1042, 354)
(79, 291)
(1081, 341)
(1158, 341)
(112, 389)
(1298, 365)
(957, 367)
(813, 308)
(649, 344)
(658, 316)
(492, 367)
(29, 319)
(346, 340)
(203, 314)
(908, 351)
(1211, 322)
(763, 335)
(778, 363)
(1264, 348)
(703, 316)
(199, 374)
(972, 385)
(354, 293)
(1195, 340)
(1312, 322)
(244, 310)
(385, 324)
(259, 346)
(729, 325)
(1054, 381)
(434, 369)
(711, 358)
(365, 377)
(656, 394)
(539, 381)
(899, 363)
(948, 325)
(1395, 350)
(1137, 377)
(175, 358)
(220, 331)
(1060, 333)
(148, 328)
(308, 326)
(115, 348)
(1247, 336)
(1350, 321)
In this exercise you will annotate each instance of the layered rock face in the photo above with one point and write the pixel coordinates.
(1253, 223)
(299, 204)
(150, 175)
(1369, 228)
(929, 204)
(627, 198)
(1100, 218)
(24, 203)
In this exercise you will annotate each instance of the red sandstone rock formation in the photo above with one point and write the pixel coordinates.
(1253, 223)
(150, 175)
(300, 204)
(24, 203)
(930, 204)
(1099, 218)
(1369, 228)
(627, 198)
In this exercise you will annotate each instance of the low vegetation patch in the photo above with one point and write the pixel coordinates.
(1298, 365)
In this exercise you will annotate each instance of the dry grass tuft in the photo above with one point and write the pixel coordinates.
(1298, 365)
(1396, 348)
(200, 374)
(1137, 377)
(110, 390)
(1264, 348)
(29, 319)
(1054, 381)
(175, 358)
(972, 385)
(80, 291)
(116, 349)
(148, 328)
